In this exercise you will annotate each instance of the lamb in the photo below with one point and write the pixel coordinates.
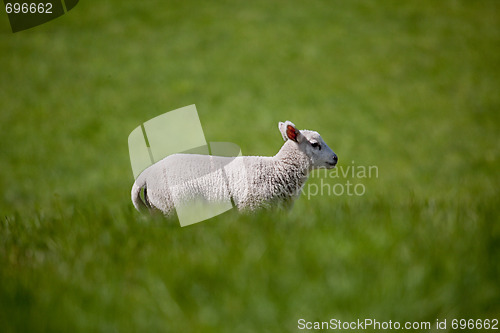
(248, 182)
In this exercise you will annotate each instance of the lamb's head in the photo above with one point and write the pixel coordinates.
(311, 144)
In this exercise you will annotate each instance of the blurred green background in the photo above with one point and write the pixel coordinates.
(411, 87)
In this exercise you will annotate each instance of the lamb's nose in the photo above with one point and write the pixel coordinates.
(335, 159)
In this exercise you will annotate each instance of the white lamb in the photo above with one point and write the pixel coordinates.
(248, 182)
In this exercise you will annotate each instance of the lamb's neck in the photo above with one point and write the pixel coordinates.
(295, 162)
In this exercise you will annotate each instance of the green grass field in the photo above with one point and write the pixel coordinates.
(409, 87)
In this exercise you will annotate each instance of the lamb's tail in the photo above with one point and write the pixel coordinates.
(139, 204)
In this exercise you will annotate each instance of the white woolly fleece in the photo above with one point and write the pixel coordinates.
(251, 182)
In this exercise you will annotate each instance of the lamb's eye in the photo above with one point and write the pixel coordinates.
(316, 145)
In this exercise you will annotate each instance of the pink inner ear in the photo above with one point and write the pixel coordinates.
(291, 133)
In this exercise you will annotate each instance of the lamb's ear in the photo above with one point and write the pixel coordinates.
(282, 128)
(289, 131)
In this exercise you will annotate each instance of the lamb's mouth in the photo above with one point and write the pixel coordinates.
(332, 164)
